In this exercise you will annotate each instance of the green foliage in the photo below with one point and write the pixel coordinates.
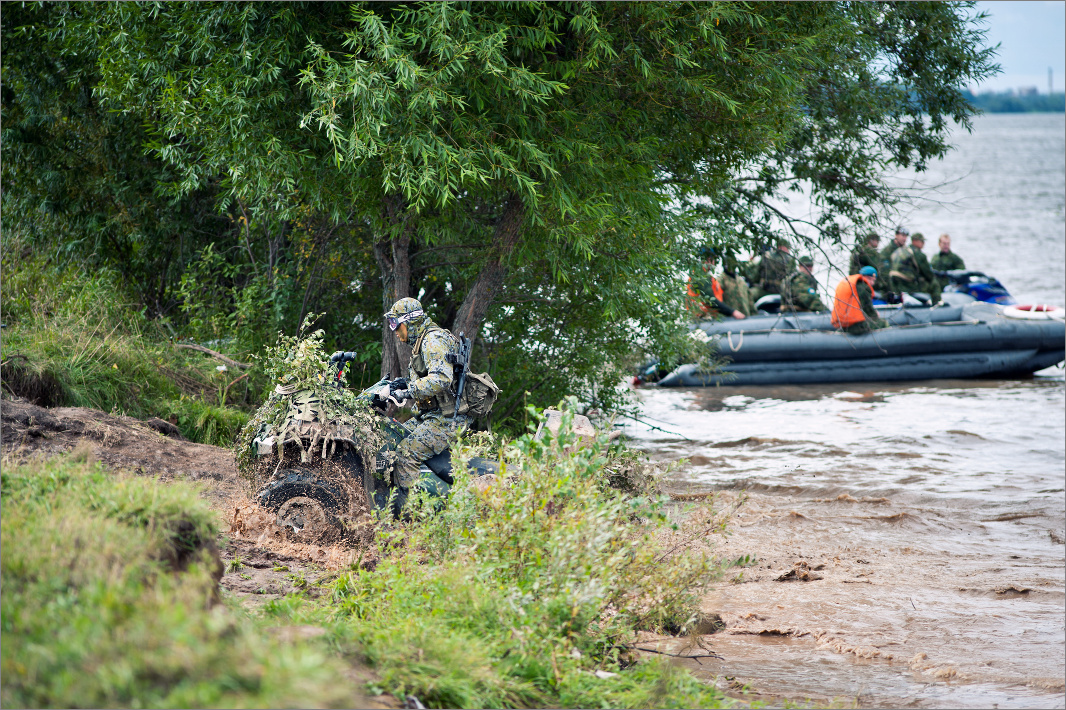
(96, 612)
(300, 359)
(514, 596)
(536, 173)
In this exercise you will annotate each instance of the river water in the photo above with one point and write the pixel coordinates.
(927, 518)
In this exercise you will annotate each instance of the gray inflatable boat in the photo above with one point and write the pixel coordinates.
(975, 340)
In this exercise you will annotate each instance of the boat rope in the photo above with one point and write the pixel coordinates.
(740, 343)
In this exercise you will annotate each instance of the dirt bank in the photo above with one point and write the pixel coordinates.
(261, 564)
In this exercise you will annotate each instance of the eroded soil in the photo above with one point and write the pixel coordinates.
(261, 563)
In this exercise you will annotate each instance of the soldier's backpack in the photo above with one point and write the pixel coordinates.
(479, 395)
(476, 390)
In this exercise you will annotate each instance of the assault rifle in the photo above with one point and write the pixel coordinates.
(460, 362)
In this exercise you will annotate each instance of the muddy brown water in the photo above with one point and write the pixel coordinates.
(926, 522)
(927, 517)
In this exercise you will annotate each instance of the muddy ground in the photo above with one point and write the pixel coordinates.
(261, 564)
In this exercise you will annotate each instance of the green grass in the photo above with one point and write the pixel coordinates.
(517, 596)
(108, 601)
(70, 340)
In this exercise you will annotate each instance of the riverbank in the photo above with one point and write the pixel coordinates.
(910, 537)
(540, 592)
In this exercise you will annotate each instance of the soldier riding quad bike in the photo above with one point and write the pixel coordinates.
(322, 456)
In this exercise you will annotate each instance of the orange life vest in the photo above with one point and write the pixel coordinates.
(694, 298)
(847, 309)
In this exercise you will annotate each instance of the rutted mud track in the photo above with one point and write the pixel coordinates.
(261, 564)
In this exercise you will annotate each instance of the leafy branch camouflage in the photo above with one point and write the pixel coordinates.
(306, 407)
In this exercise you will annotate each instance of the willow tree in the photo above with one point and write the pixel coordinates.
(535, 163)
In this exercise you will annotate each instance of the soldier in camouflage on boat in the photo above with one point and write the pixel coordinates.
(865, 254)
(946, 260)
(735, 291)
(800, 289)
(911, 271)
(774, 267)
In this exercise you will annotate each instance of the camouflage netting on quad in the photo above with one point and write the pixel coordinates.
(307, 421)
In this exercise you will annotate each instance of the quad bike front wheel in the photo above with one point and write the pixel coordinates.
(307, 506)
(305, 520)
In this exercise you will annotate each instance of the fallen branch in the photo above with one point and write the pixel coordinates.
(652, 426)
(207, 351)
(696, 658)
(225, 393)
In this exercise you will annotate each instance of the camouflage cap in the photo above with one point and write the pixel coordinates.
(806, 261)
(903, 230)
(917, 237)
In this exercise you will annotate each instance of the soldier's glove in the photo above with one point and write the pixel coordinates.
(400, 383)
(400, 396)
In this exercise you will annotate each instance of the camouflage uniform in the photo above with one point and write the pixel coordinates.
(735, 293)
(774, 268)
(911, 272)
(864, 255)
(946, 262)
(430, 384)
(885, 258)
(800, 293)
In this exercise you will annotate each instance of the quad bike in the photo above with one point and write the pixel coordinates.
(326, 455)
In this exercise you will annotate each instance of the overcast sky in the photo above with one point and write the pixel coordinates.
(1032, 37)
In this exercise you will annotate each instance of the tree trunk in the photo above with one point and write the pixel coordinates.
(481, 295)
(392, 253)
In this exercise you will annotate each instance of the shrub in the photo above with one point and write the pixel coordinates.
(71, 340)
(516, 595)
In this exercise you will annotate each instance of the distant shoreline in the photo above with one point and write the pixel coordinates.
(1024, 101)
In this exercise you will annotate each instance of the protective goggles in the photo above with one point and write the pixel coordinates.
(394, 321)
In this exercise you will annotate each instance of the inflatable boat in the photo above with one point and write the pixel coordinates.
(948, 341)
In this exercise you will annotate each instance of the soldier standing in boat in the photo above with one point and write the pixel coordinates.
(885, 263)
(865, 253)
(774, 268)
(946, 260)
(911, 271)
(735, 291)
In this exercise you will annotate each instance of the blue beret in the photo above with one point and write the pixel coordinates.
(868, 271)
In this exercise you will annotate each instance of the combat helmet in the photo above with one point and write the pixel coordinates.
(406, 310)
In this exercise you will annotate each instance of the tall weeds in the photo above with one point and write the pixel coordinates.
(70, 339)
